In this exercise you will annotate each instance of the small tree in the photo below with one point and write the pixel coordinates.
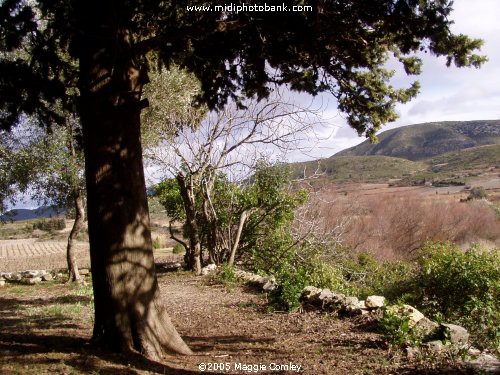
(48, 167)
(204, 155)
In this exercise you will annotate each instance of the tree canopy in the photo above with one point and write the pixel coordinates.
(339, 47)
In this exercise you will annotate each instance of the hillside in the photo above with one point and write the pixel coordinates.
(27, 214)
(420, 141)
(481, 157)
(447, 168)
(358, 168)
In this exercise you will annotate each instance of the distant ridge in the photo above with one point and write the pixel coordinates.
(420, 141)
(27, 214)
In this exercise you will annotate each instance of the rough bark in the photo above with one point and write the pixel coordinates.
(193, 258)
(74, 274)
(129, 314)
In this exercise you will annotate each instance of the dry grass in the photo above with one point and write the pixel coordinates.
(394, 223)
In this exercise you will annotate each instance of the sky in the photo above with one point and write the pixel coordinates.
(446, 93)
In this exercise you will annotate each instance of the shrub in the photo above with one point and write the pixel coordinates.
(178, 249)
(397, 330)
(226, 275)
(325, 275)
(463, 286)
(477, 192)
(156, 243)
(291, 281)
(49, 225)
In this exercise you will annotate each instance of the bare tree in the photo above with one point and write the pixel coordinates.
(231, 142)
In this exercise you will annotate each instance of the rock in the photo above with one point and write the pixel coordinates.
(325, 295)
(240, 273)
(484, 364)
(412, 352)
(351, 301)
(6, 275)
(414, 315)
(375, 302)
(84, 271)
(270, 285)
(166, 267)
(453, 333)
(257, 279)
(208, 269)
(353, 306)
(16, 277)
(435, 345)
(426, 327)
(30, 274)
(2, 283)
(33, 280)
(47, 277)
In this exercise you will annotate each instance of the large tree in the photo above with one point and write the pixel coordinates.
(336, 46)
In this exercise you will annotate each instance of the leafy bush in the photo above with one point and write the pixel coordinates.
(178, 249)
(397, 330)
(49, 225)
(291, 281)
(325, 275)
(226, 275)
(463, 286)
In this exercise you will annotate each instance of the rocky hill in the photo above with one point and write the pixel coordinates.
(27, 214)
(420, 141)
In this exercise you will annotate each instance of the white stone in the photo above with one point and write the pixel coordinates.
(33, 280)
(30, 274)
(83, 271)
(351, 301)
(47, 277)
(456, 334)
(375, 301)
(2, 283)
(269, 286)
(208, 269)
(435, 345)
(414, 315)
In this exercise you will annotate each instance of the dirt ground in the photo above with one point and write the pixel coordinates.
(45, 329)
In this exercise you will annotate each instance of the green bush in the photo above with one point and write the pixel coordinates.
(178, 249)
(463, 286)
(49, 225)
(226, 275)
(156, 243)
(291, 281)
(324, 275)
(397, 330)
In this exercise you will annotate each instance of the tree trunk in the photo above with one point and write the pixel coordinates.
(236, 243)
(193, 258)
(129, 314)
(74, 275)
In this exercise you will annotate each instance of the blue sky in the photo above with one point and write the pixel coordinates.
(446, 93)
